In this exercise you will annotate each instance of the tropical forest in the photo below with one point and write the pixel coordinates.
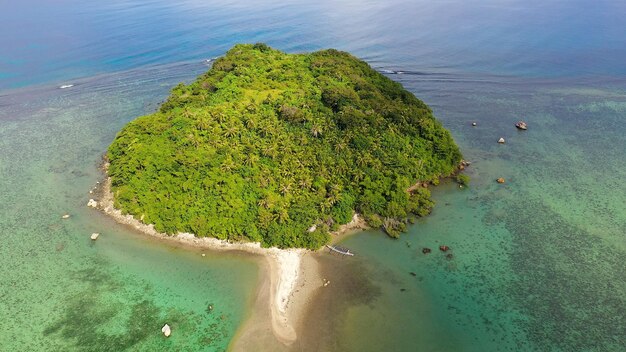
(281, 149)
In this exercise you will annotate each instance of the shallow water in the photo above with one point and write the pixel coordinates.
(61, 290)
(537, 262)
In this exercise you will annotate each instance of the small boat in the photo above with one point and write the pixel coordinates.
(521, 125)
(66, 86)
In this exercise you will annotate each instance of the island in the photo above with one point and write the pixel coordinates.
(272, 152)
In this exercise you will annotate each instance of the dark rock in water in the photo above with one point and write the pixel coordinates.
(449, 256)
(444, 248)
(79, 173)
(426, 250)
(402, 289)
(413, 274)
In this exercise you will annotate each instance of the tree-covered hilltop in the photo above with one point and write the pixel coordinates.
(266, 144)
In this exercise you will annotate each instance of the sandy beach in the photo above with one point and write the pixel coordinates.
(289, 277)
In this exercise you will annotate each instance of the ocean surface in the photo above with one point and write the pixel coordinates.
(537, 262)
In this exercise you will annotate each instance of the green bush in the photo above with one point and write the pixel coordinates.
(462, 179)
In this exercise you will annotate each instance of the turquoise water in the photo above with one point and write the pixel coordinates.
(537, 262)
(60, 291)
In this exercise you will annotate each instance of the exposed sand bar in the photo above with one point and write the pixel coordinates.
(284, 264)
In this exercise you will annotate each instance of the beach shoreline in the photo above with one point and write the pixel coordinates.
(288, 280)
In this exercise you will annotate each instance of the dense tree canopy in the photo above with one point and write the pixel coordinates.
(266, 144)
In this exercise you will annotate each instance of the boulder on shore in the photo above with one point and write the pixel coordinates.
(94, 236)
(166, 330)
(92, 203)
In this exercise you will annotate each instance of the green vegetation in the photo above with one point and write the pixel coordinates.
(463, 179)
(266, 144)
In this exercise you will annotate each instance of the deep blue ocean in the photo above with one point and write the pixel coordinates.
(44, 41)
(538, 263)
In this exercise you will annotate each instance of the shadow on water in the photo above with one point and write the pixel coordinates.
(352, 284)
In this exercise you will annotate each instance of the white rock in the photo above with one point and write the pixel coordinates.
(94, 236)
(166, 330)
(204, 255)
(66, 216)
(92, 203)
(313, 228)
(474, 124)
(501, 140)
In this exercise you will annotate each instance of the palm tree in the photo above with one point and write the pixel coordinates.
(251, 122)
(285, 188)
(316, 130)
(361, 160)
(186, 113)
(358, 176)
(264, 203)
(251, 160)
(219, 115)
(193, 139)
(282, 215)
(305, 182)
(231, 131)
(269, 150)
(203, 124)
(326, 204)
(340, 147)
(228, 164)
